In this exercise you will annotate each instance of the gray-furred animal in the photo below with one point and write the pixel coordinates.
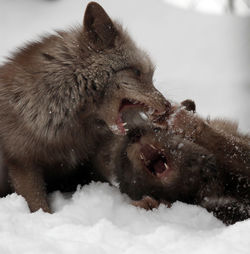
(52, 93)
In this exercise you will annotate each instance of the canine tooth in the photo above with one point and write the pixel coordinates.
(153, 147)
(151, 111)
(124, 124)
(165, 165)
(142, 156)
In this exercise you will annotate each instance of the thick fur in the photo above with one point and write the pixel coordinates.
(210, 164)
(232, 152)
(53, 91)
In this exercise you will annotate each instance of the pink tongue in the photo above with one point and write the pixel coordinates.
(159, 166)
(119, 124)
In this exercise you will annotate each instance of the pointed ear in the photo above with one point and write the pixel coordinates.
(98, 26)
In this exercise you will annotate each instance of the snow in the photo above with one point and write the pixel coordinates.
(213, 6)
(201, 57)
(98, 219)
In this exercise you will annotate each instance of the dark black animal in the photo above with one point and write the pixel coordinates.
(194, 161)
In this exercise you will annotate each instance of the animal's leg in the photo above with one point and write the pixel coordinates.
(28, 182)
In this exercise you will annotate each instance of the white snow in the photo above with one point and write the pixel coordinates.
(241, 7)
(201, 57)
(98, 219)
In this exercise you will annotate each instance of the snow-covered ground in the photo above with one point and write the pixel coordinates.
(98, 219)
(198, 56)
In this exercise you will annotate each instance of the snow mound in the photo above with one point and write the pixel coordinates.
(98, 219)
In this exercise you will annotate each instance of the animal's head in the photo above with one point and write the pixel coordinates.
(150, 161)
(117, 71)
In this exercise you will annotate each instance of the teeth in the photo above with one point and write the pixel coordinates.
(142, 156)
(166, 166)
(133, 101)
(124, 124)
(153, 147)
(151, 111)
(156, 119)
(114, 128)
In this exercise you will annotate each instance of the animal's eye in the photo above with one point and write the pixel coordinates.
(137, 72)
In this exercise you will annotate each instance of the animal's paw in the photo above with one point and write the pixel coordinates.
(149, 203)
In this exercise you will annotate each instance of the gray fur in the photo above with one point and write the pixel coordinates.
(51, 90)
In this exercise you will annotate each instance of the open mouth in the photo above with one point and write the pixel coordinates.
(145, 111)
(154, 161)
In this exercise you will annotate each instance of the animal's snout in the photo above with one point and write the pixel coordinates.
(160, 117)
